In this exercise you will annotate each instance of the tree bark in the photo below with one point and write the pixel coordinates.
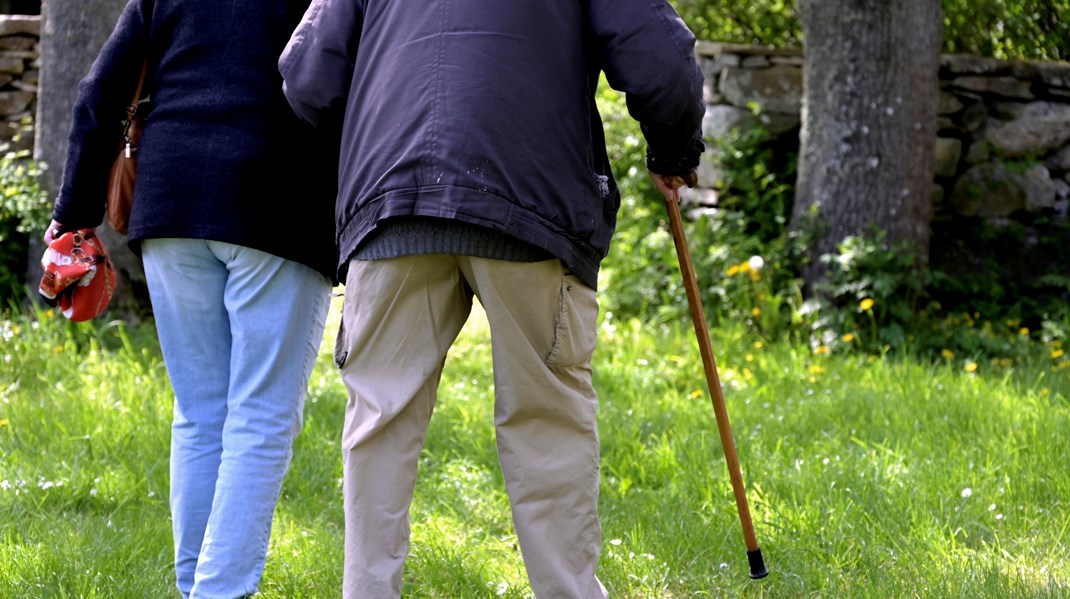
(72, 33)
(866, 155)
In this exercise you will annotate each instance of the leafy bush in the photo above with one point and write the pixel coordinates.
(766, 22)
(24, 202)
(24, 210)
(869, 298)
(745, 260)
(1036, 29)
(1031, 29)
(875, 299)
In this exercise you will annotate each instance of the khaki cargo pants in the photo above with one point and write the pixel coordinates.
(399, 320)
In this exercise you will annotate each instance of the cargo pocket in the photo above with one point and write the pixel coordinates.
(341, 349)
(576, 326)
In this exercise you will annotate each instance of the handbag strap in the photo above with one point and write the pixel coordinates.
(131, 108)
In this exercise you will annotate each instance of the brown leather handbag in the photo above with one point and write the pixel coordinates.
(124, 169)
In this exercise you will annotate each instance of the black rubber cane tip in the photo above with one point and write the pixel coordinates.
(757, 564)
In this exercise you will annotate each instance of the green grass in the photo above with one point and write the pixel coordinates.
(866, 477)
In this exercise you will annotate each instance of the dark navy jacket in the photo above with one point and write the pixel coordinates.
(222, 156)
(483, 111)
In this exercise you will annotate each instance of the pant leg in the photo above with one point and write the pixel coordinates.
(399, 319)
(240, 330)
(276, 309)
(186, 284)
(543, 326)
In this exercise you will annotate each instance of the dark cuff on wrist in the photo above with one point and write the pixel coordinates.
(675, 166)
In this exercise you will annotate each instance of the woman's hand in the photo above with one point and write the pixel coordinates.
(52, 231)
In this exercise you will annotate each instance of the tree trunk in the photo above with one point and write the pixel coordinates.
(869, 118)
(72, 33)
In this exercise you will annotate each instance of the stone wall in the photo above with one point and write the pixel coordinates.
(20, 40)
(1004, 126)
(1002, 145)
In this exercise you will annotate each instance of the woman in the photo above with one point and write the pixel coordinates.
(232, 216)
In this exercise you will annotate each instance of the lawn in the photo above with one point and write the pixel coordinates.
(868, 476)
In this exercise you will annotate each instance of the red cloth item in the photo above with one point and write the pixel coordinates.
(79, 277)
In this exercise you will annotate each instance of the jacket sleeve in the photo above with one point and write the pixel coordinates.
(317, 63)
(647, 52)
(99, 111)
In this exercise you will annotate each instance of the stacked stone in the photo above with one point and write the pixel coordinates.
(1002, 145)
(1004, 140)
(739, 80)
(20, 37)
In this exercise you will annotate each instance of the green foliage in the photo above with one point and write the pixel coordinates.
(24, 205)
(23, 200)
(876, 300)
(24, 210)
(870, 295)
(1036, 29)
(756, 181)
(13, 257)
(639, 266)
(745, 259)
(1006, 289)
(1011, 268)
(749, 266)
(763, 23)
(1024, 29)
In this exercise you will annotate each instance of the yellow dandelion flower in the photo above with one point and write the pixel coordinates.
(697, 393)
(817, 369)
(1045, 392)
(49, 313)
(756, 311)
(821, 350)
(872, 358)
(866, 304)
(747, 374)
(812, 379)
(749, 357)
(947, 354)
(970, 366)
(1055, 355)
(849, 337)
(733, 270)
(58, 349)
(4, 422)
(744, 267)
(755, 276)
(758, 345)
(1024, 331)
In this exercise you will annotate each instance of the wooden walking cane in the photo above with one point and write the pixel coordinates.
(698, 318)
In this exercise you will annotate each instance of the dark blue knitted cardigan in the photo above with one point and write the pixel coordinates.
(222, 156)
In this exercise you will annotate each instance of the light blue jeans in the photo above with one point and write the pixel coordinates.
(240, 330)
